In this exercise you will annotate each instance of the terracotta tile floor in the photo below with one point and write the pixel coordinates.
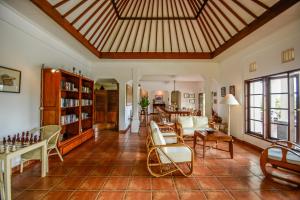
(114, 167)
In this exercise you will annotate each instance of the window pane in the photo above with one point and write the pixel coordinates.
(256, 113)
(256, 87)
(279, 85)
(279, 131)
(256, 101)
(256, 127)
(279, 116)
(279, 101)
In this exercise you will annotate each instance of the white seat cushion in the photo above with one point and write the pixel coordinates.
(188, 131)
(200, 122)
(292, 158)
(276, 154)
(171, 140)
(177, 154)
(186, 121)
(169, 134)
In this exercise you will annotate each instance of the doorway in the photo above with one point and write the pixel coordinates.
(106, 110)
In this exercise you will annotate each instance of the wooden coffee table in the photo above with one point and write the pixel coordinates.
(216, 136)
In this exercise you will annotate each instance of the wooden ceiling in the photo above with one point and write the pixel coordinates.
(161, 29)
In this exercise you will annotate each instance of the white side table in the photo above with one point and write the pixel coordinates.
(6, 157)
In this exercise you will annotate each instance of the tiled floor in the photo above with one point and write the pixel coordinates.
(114, 167)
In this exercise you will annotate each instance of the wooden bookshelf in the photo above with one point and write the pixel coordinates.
(67, 100)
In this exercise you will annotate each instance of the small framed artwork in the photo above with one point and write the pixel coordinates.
(192, 95)
(128, 95)
(215, 101)
(158, 98)
(186, 95)
(232, 90)
(223, 91)
(192, 101)
(215, 94)
(10, 80)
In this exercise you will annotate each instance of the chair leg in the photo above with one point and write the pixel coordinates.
(61, 158)
(21, 166)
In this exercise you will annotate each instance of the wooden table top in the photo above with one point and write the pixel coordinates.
(217, 135)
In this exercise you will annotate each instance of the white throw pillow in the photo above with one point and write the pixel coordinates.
(153, 125)
(186, 121)
(158, 138)
(200, 122)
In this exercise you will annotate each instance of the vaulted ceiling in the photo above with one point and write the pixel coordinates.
(190, 29)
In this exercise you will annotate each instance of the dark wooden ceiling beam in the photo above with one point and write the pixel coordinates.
(92, 15)
(60, 3)
(74, 8)
(273, 11)
(84, 12)
(55, 15)
(225, 16)
(154, 55)
(233, 12)
(106, 9)
(245, 9)
(261, 4)
(219, 20)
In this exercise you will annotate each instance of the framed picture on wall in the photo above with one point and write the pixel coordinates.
(192, 95)
(186, 95)
(10, 80)
(232, 90)
(158, 98)
(192, 101)
(223, 91)
(128, 95)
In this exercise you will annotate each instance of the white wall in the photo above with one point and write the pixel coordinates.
(267, 54)
(154, 87)
(23, 47)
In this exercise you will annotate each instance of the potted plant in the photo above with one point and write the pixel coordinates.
(144, 102)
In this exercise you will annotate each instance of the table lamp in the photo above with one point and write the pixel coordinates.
(229, 100)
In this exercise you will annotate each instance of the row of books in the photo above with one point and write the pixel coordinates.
(86, 102)
(69, 86)
(69, 103)
(68, 119)
(85, 115)
(86, 89)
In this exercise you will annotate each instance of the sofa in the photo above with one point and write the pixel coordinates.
(186, 125)
(169, 136)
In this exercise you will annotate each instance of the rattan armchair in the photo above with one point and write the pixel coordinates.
(49, 133)
(164, 158)
(281, 155)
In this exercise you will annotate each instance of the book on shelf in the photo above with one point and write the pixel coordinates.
(85, 89)
(68, 119)
(69, 103)
(86, 102)
(68, 86)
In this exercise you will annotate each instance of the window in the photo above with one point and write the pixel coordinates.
(256, 119)
(279, 107)
(272, 106)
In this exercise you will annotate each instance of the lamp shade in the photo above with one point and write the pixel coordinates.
(229, 99)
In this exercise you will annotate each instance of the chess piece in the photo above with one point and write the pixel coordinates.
(35, 139)
(31, 139)
(8, 140)
(4, 140)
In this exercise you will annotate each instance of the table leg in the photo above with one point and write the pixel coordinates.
(204, 145)
(44, 161)
(231, 149)
(7, 178)
(195, 141)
